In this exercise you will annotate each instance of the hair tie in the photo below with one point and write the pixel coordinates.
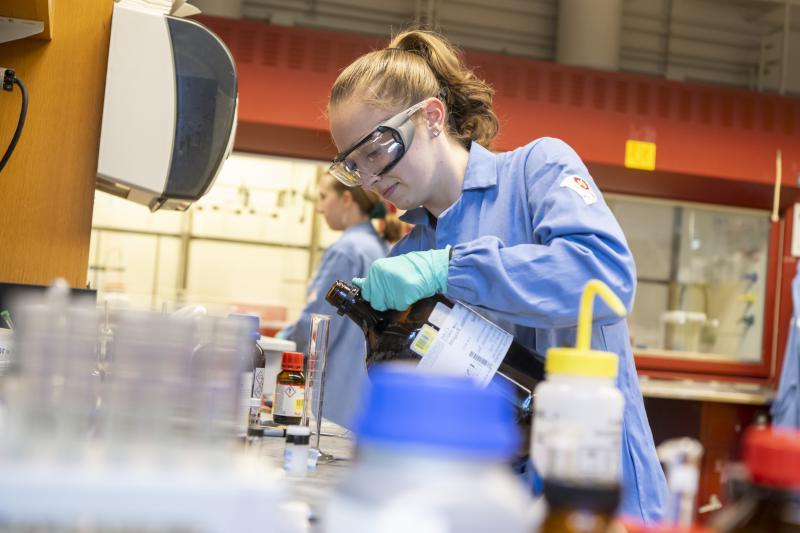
(378, 210)
(416, 52)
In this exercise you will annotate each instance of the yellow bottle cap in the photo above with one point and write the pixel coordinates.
(582, 360)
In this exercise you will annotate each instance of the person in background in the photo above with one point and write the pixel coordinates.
(348, 210)
(786, 406)
(515, 234)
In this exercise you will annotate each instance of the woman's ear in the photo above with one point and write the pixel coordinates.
(434, 116)
(347, 198)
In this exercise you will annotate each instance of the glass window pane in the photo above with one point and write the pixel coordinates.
(702, 278)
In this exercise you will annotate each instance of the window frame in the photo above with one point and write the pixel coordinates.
(689, 365)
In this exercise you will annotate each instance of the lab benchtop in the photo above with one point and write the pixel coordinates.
(314, 489)
(707, 391)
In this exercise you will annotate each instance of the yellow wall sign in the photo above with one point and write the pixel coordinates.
(640, 154)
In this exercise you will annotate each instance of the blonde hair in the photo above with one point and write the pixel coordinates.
(420, 64)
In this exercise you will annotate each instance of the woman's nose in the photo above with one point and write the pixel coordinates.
(369, 181)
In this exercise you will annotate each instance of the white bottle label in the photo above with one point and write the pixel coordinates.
(244, 403)
(587, 448)
(466, 344)
(295, 459)
(258, 389)
(439, 315)
(288, 400)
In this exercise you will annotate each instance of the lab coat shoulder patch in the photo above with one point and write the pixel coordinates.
(580, 186)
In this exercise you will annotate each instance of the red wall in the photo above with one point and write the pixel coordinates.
(702, 131)
(714, 144)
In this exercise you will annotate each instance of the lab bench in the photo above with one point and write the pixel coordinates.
(707, 391)
(316, 487)
(715, 413)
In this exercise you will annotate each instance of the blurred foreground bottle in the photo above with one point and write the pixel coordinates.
(253, 372)
(431, 457)
(771, 504)
(577, 429)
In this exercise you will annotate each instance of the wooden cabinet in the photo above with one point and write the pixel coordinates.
(717, 425)
(47, 187)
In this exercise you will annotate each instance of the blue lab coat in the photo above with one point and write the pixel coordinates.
(527, 236)
(349, 257)
(786, 407)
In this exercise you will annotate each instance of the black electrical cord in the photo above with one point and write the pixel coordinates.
(9, 79)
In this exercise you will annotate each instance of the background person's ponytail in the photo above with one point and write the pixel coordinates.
(391, 228)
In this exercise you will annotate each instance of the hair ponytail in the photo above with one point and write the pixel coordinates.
(370, 204)
(393, 228)
(420, 64)
(468, 98)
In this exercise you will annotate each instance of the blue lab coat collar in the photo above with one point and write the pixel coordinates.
(481, 174)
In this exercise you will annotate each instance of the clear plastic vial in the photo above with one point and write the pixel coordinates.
(295, 454)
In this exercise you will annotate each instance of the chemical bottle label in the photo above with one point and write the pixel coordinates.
(244, 402)
(465, 344)
(570, 447)
(288, 400)
(258, 389)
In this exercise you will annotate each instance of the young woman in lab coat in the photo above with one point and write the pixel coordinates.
(347, 210)
(517, 234)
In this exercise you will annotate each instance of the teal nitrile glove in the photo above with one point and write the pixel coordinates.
(397, 282)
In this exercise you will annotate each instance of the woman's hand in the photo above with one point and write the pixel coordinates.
(397, 282)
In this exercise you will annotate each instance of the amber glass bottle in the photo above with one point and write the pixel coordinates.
(397, 335)
(574, 508)
(289, 390)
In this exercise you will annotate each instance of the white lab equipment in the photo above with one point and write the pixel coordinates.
(682, 329)
(432, 458)
(577, 421)
(169, 114)
(681, 459)
(148, 445)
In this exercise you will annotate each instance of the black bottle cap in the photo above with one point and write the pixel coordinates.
(574, 495)
(298, 435)
(342, 296)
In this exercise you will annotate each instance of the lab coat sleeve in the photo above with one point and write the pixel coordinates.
(786, 407)
(334, 265)
(574, 240)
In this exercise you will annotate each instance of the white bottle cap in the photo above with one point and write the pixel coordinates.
(298, 431)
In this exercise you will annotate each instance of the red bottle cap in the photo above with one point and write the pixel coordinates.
(773, 456)
(632, 525)
(292, 361)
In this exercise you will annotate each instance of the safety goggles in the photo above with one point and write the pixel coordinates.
(379, 151)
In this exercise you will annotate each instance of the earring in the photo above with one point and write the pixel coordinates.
(436, 133)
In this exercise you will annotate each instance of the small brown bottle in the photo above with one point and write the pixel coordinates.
(290, 387)
(577, 508)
